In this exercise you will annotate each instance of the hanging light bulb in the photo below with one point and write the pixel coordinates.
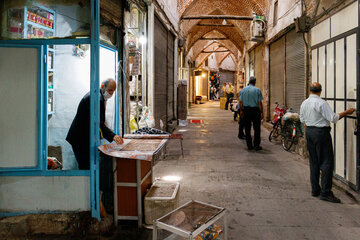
(224, 22)
(142, 39)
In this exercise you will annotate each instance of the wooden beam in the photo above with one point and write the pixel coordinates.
(227, 17)
(213, 38)
(215, 25)
(217, 47)
(220, 51)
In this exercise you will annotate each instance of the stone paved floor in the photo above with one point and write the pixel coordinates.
(267, 193)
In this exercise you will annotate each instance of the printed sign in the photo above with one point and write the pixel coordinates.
(32, 17)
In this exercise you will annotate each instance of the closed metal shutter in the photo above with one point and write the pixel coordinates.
(160, 103)
(204, 84)
(170, 85)
(259, 68)
(277, 73)
(225, 77)
(295, 70)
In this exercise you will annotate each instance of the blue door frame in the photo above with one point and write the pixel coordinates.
(114, 49)
(94, 109)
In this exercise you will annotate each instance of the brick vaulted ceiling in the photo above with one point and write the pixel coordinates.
(231, 38)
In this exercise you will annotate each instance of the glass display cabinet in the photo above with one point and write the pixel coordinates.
(194, 220)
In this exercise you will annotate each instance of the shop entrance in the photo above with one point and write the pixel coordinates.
(68, 81)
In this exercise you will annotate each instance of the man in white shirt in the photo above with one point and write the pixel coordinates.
(317, 115)
(230, 90)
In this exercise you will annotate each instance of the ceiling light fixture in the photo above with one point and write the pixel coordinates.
(224, 22)
(142, 39)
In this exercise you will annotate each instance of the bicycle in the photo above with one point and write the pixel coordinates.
(276, 122)
(285, 123)
(290, 129)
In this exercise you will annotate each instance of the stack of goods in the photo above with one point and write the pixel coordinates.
(292, 116)
(149, 130)
(211, 233)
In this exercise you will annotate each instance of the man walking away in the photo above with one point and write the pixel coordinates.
(230, 90)
(317, 115)
(251, 109)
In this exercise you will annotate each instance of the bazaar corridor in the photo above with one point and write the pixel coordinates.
(117, 119)
(267, 193)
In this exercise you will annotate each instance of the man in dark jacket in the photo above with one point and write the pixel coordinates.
(79, 132)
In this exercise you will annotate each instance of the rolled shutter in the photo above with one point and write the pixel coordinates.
(226, 76)
(277, 73)
(170, 78)
(160, 98)
(295, 70)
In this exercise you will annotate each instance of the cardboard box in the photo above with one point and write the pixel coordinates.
(222, 102)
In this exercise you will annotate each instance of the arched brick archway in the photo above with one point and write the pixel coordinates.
(232, 34)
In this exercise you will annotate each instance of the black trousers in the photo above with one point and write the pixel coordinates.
(241, 126)
(106, 182)
(82, 155)
(252, 116)
(228, 96)
(319, 144)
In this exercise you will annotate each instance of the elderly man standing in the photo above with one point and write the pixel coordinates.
(79, 132)
(251, 109)
(317, 115)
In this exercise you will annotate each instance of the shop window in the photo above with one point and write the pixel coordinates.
(20, 97)
(44, 19)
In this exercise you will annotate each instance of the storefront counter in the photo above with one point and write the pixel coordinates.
(132, 164)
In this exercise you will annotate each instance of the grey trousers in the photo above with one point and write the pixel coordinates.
(319, 144)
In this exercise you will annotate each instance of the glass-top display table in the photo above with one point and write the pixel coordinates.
(194, 220)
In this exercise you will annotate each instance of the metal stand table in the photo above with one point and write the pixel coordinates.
(132, 164)
(190, 220)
